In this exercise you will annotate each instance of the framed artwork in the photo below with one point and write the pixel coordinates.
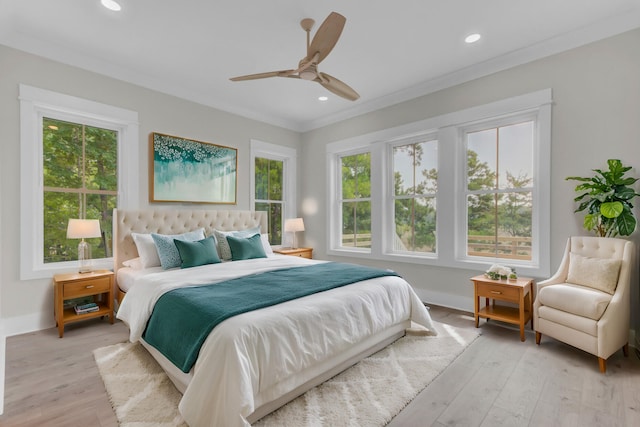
(188, 171)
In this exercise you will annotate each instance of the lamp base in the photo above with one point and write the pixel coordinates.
(84, 257)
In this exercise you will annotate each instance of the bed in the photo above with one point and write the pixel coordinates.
(253, 363)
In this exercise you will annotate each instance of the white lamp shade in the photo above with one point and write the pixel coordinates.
(83, 228)
(293, 225)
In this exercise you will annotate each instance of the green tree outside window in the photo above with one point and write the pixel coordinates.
(269, 185)
(80, 181)
(499, 191)
(356, 200)
(415, 189)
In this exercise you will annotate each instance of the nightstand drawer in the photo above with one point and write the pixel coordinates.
(496, 291)
(86, 287)
(299, 252)
(305, 254)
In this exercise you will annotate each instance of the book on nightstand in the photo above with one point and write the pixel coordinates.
(86, 308)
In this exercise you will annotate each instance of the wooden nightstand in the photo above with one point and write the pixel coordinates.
(97, 284)
(518, 292)
(301, 252)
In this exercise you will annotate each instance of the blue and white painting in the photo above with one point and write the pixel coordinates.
(185, 170)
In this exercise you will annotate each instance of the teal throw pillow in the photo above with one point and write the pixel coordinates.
(246, 247)
(197, 253)
(167, 252)
(221, 240)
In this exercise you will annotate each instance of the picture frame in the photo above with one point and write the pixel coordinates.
(188, 171)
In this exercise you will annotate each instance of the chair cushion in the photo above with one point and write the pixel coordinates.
(576, 323)
(575, 299)
(598, 273)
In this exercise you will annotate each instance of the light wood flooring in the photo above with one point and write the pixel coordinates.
(497, 381)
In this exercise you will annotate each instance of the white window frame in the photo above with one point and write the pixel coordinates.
(461, 211)
(36, 103)
(289, 158)
(336, 222)
(451, 216)
(390, 196)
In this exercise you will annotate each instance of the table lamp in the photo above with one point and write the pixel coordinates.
(293, 225)
(81, 229)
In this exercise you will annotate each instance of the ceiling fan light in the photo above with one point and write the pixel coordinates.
(308, 75)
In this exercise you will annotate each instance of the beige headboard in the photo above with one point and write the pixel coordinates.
(175, 221)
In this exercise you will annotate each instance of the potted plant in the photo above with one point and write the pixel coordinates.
(606, 197)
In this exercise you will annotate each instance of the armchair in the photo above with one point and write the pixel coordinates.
(586, 303)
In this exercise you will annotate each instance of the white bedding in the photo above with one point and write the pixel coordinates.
(126, 276)
(259, 356)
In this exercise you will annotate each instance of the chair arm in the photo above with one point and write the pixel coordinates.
(560, 275)
(551, 281)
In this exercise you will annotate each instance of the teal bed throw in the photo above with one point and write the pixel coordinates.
(183, 318)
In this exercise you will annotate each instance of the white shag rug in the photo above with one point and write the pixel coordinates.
(369, 393)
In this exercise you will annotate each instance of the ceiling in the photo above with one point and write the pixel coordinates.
(388, 52)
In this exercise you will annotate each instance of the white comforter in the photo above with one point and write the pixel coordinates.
(257, 357)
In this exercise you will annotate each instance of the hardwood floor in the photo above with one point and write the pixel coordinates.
(498, 381)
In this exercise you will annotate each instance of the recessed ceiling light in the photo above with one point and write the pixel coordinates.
(322, 98)
(111, 5)
(472, 38)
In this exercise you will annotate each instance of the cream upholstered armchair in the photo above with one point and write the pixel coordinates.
(587, 302)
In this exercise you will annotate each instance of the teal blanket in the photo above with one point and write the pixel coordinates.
(183, 318)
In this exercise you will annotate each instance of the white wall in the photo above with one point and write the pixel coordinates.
(2, 334)
(28, 305)
(595, 116)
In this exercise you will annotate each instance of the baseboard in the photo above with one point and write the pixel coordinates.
(25, 324)
(442, 299)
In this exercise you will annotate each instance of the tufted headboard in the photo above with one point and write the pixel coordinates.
(175, 221)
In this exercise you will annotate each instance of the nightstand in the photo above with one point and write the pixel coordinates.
(97, 284)
(300, 252)
(518, 292)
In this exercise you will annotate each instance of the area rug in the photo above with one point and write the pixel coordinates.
(369, 393)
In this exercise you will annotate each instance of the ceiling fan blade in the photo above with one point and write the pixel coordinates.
(282, 73)
(327, 36)
(336, 86)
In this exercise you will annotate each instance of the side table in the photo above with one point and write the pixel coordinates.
(299, 252)
(97, 284)
(519, 292)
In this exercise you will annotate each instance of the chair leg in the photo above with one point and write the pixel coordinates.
(603, 364)
(538, 337)
(625, 350)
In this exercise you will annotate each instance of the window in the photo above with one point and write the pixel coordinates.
(499, 191)
(465, 189)
(75, 157)
(269, 183)
(80, 178)
(415, 183)
(355, 200)
(273, 180)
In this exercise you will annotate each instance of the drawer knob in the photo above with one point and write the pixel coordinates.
(88, 286)
(496, 292)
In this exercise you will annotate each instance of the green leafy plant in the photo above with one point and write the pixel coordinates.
(606, 197)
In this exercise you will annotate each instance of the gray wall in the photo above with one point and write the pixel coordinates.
(29, 304)
(596, 116)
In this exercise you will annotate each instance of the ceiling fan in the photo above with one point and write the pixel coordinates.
(323, 42)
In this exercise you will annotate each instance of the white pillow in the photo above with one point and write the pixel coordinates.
(266, 245)
(221, 240)
(597, 273)
(135, 263)
(146, 249)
